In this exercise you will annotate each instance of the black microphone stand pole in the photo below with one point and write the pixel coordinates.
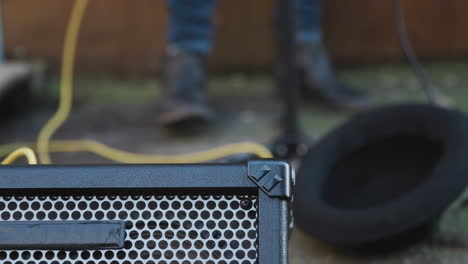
(291, 142)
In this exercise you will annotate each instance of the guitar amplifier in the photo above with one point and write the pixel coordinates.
(146, 214)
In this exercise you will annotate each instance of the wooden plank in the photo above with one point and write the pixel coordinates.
(12, 74)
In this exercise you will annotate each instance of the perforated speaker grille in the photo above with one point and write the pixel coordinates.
(159, 229)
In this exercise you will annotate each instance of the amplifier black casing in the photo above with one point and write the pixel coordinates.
(26, 190)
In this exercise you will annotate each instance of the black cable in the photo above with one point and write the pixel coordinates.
(426, 84)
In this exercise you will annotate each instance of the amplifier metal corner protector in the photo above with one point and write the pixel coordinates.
(146, 214)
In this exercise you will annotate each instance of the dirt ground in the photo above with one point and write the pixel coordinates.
(122, 113)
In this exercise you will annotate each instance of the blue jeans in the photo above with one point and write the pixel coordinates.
(191, 26)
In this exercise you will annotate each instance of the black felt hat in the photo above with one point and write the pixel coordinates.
(383, 174)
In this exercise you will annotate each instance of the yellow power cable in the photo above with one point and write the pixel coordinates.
(21, 152)
(129, 157)
(66, 81)
(44, 145)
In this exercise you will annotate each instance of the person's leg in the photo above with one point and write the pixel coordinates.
(190, 37)
(308, 21)
(190, 25)
(318, 77)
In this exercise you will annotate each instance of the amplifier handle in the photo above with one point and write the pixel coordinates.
(61, 235)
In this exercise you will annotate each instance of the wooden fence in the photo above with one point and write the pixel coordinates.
(127, 37)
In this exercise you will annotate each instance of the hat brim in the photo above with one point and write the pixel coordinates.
(383, 173)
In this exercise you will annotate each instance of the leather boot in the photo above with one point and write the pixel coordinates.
(183, 96)
(320, 83)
